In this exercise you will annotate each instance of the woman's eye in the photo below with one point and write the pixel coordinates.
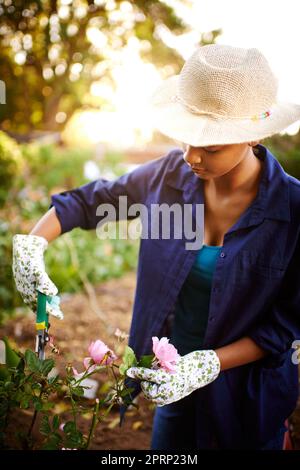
(210, 151)
(186, 146)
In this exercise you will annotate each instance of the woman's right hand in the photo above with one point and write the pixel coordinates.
(29, 272)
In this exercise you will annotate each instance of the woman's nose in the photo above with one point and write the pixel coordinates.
(192, 157)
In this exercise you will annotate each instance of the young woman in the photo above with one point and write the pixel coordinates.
(231, 308)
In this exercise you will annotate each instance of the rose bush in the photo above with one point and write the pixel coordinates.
(34, 385)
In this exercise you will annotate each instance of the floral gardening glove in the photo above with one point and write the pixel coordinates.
(194, 370)
(30, 275)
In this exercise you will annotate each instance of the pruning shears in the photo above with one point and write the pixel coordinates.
(42, 325)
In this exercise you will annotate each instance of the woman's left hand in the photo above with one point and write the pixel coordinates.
(194, 370)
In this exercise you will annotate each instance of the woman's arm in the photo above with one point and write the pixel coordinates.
(80, 207)
(240, 352)
(48, 226)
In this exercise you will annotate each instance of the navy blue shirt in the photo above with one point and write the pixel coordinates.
(255, 288)
(192, 306)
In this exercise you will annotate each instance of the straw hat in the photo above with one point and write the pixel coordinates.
(222, 95)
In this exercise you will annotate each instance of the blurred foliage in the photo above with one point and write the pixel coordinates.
(51, 52)
(11, 180)
(9, 297)
(286, 148)
(51, 166)
(77, 256)
(10, 165)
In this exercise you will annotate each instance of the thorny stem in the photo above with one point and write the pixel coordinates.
(117, 389)
(34, 415)
(94, 423)
(108, 410)
(116, 379)
(32, 423)
(73, 408)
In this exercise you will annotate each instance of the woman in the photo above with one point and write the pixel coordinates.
(230, 307)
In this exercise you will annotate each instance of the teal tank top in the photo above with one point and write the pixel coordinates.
(192, 305)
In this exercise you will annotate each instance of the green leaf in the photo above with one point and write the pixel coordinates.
(129, 355)
(45, 426)
(126, 391)
(146, 361)
(21, 365)
(79, 391)
(32, 361)
(53, 442)
(8, 386)
(55, 422)
(53, 380)
(39, 404)
(69, 427)
(47, 366)
(24, 403)
(74, 439)
(129, 360)
(123, 368)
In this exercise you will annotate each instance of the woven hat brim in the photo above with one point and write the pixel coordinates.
(175, 121)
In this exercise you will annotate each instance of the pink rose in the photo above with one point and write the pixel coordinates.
(166, 353)
(98, 350)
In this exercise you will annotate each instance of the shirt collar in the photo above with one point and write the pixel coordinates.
(272, 200)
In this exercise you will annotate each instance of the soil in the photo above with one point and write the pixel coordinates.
(113, 300)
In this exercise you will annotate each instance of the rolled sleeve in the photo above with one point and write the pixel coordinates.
(78, 207)
(281, 325)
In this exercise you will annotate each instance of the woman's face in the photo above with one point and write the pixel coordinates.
(216, 160)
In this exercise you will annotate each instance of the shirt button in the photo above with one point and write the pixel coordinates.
(222, 254)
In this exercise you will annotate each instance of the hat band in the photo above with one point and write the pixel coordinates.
(195, 110)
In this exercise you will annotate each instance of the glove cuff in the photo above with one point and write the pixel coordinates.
(212, 359)
(34, 240)
(216, 361)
